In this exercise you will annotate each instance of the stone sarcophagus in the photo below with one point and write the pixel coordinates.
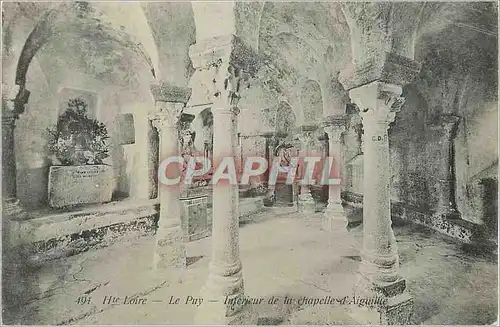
(73, 185)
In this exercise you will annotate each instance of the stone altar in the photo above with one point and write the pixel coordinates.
(194, 214)
(72, 185)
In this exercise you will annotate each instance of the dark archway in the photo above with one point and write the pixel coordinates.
(285, 118)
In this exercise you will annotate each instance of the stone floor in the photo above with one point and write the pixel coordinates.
(284, 253)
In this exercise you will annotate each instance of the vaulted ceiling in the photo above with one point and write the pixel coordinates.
(298, 42)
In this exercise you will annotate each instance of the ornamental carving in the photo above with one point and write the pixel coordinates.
(378, 102)
(227, 82)
(306, 139)
(229, 63)
(392, 101)
(335, 132)
(168, 116)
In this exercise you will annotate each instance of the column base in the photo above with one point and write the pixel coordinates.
(224, 301)
(449, 213)
(170, 252)
(334, 218)
(382, 303)
(225, 312)
(306, 203)
(270, 199)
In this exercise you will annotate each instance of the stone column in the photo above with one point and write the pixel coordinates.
(152, 160)
(379, 275)
(225, 74)
(10, 95)
(271, 144)
(334, 216)
(446, 131)
(306, 201)
(170, 252)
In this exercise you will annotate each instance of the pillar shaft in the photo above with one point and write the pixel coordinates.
(170, 249)
(334, 210)
(377, 240)
(8, 157)
(224, 78)
(446, 131)
(152, 160)
(225, 277)
(306, 201)
(13, 101)
(305, 140)
(271, 144)
(375, 85)
(378, 102)
(225, 242)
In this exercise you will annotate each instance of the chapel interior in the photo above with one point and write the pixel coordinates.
(402, 95)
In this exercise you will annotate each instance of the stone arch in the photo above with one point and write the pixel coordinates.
(316, 49)
(16, 28)
(205, 13)
(56, 19)
(173, 28)
(380, 27)
(203, 125)
(326, 33)
(312, 102)
(233, 18)
(285, 118)
(45, 46)
(335, 98)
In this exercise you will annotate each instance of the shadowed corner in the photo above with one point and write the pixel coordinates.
(192, 260)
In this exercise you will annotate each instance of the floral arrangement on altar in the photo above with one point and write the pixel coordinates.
(78, 139)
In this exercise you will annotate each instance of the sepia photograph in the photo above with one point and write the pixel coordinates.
(249, 163)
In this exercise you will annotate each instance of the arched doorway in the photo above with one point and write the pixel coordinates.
(77, 51)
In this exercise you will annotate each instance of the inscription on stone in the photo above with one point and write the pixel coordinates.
(379, 138)
(87, 173)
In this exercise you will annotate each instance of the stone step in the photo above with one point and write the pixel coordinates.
(64, 234)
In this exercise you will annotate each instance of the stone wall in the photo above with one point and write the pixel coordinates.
(416, 154)
(42, 112)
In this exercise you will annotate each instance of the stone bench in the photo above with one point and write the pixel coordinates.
(52, 234)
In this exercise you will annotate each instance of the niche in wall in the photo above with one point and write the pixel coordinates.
(125, 130)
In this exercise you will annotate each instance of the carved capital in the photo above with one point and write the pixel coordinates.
(378, 103)
(168, 115)
(227, 65)
(170, 93)
(335, 132)
(306, 139)
(225, 85)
